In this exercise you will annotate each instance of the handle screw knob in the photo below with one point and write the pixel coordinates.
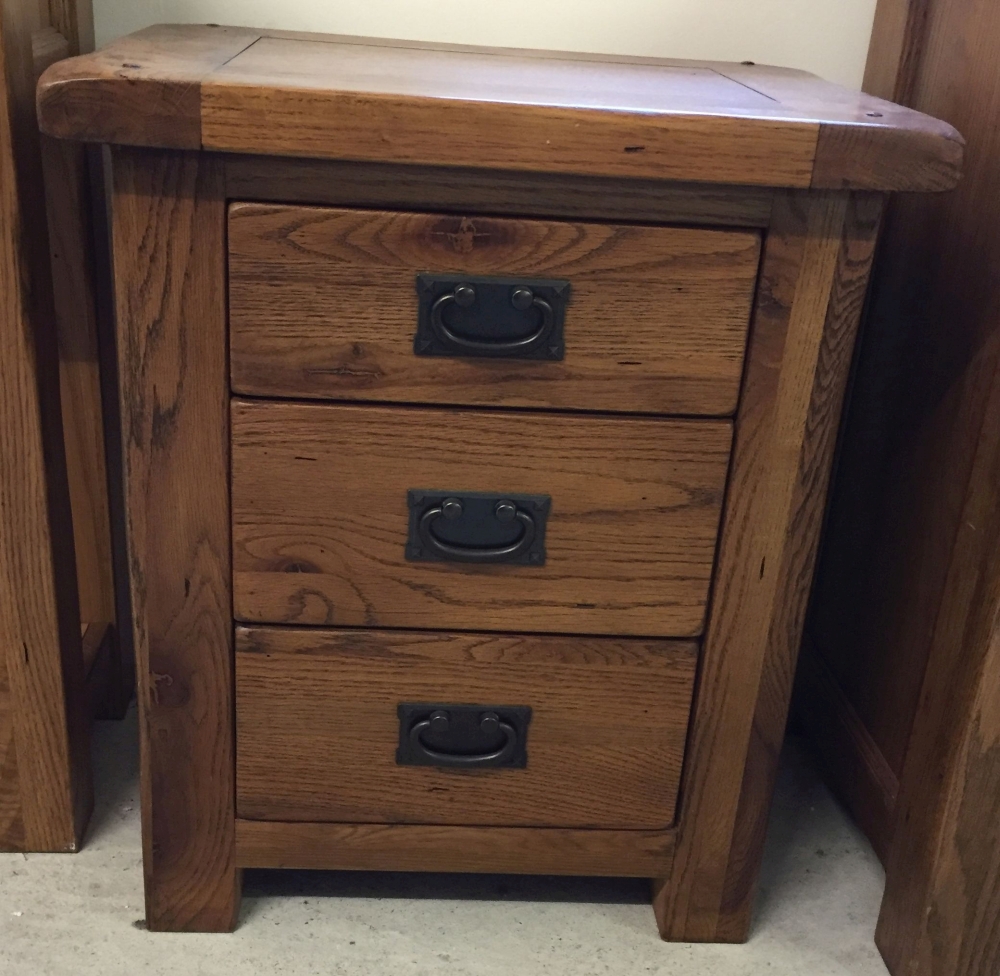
(439, 722)
(489, 723)
(465, 295)
(451, 509)
(505, 511)
(522, 299)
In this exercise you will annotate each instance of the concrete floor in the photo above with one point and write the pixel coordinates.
(81, 915)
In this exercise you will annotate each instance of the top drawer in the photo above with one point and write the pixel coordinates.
(324, 304)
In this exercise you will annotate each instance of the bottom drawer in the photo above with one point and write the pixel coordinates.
(318, 727)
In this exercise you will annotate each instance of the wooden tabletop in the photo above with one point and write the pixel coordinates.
(277, 93)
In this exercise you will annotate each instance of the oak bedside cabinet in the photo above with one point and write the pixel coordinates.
(478, 411)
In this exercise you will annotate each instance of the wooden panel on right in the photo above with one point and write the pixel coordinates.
(899, 683)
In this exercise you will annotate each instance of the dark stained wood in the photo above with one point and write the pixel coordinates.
(856, 158)
(904, 612)
(815, 270)
(858, 144)
(451, 190)
(320, 518)
(120, 677)
(317, 728)
(853, 763)
(169, 227)
(322, 303)
(895, 49)
(319, 490)
(144, 90)
(72, 243)
(45, 786)
(909, 436)
(100, 648)
(408, 847)
(845, 304)
(76, 250)
(11, 816)
(352, 98)
(500, 110)
(941, 912)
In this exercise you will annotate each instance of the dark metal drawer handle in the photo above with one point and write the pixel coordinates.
(466, 736)
(504, 511)
(521, 298)
(476, 527)
(490, 723)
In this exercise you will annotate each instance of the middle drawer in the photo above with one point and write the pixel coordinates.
(321, 518)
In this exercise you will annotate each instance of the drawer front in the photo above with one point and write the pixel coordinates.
(323, 304)
(318, 728)
(321, 518)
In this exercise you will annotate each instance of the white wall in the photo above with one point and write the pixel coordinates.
(828, 37)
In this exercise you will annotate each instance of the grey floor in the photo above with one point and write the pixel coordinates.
(82, 914)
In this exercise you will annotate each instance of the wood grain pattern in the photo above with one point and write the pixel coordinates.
(812, 290)
(407, 847)
(119, 679)
(941, 911)
(322, 487)
(322, 303)
(901, 611)
(910, 434)
(317, 728)
(320, 518)
(169, 226)
(11, 817)
(352, 98)
(12, 836)
(858, 144)
(895, 49)
(894, 506)
(143, 91)
(452, 190)
(857, 158)
(846, 303)
(558, 116)
(71, 245)
(43, 725)
(75, 250)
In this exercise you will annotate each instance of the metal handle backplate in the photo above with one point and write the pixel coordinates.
(510, 318)
(477, 527)
(463, 736)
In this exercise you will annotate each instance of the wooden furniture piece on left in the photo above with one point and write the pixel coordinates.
(453, 382)
(57, 605)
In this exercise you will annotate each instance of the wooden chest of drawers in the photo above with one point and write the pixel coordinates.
(479, 409)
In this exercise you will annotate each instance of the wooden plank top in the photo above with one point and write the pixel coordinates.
(284, 94)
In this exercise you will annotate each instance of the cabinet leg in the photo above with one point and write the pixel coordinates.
(169, 258)
(209, 904)
(732, 926)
